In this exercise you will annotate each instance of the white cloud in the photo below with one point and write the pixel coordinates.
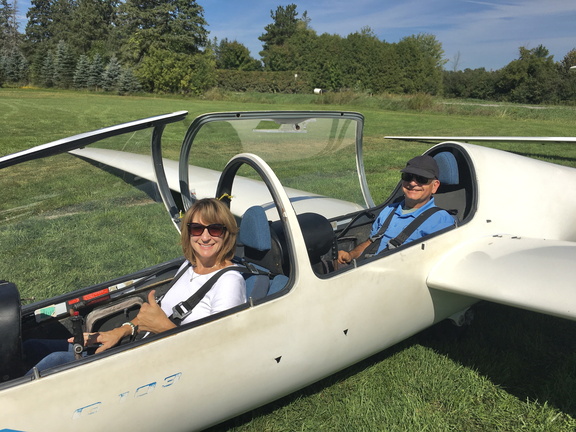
(485, 33)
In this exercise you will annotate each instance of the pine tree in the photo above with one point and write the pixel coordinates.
(47, 70)
(173, 25)
(91, 25)
(82, 72)
(128, 83)
(39, 27)
(95, 73)
(8, 25)
(15, 66)
(64, 65)
(111, 75)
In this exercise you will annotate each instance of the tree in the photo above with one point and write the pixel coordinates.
(532, 78)
(61, 13)
(82, 72)
(128, 83)
(421, 64)
(470, 83)
(64, 66)
(177, 26)
(284, 26)
(168, 72)
(234, 55)
(13, 66)
(369, 64)
(39, 27)
(9, 37)
(278, 54)
(47, 70)
(91, 23)
(96, 72)
(111, 75)
(569, 60)
(325, 65)
(567, 87)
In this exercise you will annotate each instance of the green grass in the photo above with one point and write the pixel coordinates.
(511, 370)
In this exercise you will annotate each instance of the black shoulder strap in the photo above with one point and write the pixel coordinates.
(184, 308)
(384, 226)
(403, 236)
(412, 226)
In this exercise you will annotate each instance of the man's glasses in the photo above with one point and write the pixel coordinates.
(407, 177)
(215, 230)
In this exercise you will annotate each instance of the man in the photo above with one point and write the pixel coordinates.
(419, 183)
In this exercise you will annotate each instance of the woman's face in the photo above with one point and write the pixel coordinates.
(205, 246)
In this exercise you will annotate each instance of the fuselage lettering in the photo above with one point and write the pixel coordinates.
(87, 410)
(123, 397)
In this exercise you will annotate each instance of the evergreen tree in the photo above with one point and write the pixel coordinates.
(40, 19)
(47, 70)
(91, 24)
(64, 66)
(82, 72)
(128, 83)
(172, 25)
(9, 37)
(61, 13)
(277, 54)
(284, 26)
(111, 75)
(15, 66)
(96, 72)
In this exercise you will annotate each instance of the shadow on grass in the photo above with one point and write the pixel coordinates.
(529, 355)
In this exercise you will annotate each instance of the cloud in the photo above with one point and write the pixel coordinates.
(484, 33)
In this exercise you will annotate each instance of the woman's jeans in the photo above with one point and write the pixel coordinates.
(47, 353)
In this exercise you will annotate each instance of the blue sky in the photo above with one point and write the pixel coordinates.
(479, 33)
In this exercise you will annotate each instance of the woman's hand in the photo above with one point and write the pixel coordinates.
(152, 318)
(106, 339)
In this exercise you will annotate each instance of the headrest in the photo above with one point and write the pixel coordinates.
(448, 167)
(254, 229)
(318, 234)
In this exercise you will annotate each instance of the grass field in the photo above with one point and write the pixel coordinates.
(511, 370)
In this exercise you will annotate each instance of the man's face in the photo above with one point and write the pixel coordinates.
(418, 190)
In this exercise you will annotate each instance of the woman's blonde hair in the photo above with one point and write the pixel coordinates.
(210, 211)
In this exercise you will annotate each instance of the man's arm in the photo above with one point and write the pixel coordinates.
(345, 257)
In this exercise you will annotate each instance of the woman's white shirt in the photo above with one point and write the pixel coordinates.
(228, 291)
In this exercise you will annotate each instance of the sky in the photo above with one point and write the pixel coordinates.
(473, 33)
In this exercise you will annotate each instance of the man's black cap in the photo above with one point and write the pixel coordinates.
(424, 166)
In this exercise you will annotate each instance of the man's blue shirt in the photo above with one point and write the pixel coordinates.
(435, 222)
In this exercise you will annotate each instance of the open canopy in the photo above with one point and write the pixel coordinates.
(58, 211)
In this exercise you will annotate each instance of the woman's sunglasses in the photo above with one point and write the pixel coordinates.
(407, 177)
(215, 230)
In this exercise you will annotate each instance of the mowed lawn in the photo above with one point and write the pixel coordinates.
(510, 370)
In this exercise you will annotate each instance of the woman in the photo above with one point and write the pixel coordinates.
(208, 237)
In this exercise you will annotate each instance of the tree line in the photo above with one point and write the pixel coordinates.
(163, 46)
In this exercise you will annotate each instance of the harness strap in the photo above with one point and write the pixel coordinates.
(406, 232)
(184, 308)
(384, 226)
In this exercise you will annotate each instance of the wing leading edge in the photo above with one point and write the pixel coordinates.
(533, 274)
(482, 138)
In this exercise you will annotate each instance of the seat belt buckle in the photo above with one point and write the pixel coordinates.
(180, 312)
(393, 243)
